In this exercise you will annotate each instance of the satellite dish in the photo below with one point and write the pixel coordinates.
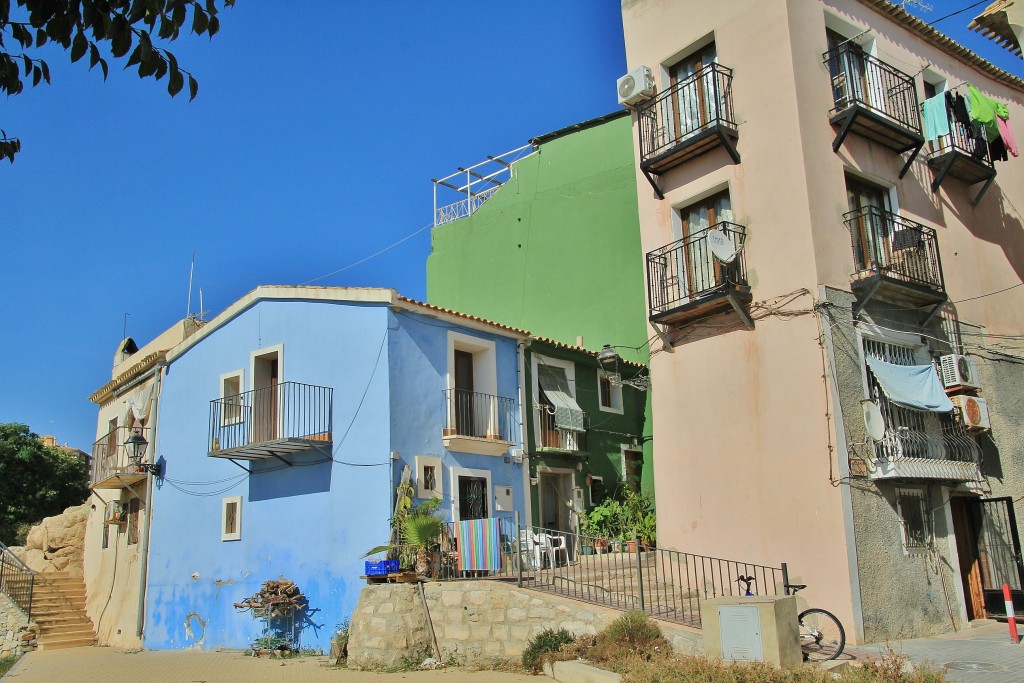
(873, 420)
(722, 246)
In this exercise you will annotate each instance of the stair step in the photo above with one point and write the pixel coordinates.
(64, 632)
(64, 644)
(76, 622)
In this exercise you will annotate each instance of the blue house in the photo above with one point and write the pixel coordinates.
(283, 427)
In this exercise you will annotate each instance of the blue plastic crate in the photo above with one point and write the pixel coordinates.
(381, 567)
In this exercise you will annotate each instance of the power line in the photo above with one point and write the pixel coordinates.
(371, 256)
(982, 296)
(959, 11)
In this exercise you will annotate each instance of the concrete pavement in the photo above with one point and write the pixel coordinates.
(982, 653)
(106, 665)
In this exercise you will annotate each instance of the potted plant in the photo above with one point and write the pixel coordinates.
(417, 531)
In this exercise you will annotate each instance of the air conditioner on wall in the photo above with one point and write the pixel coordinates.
(635, 86)
(959, 371)
(973, 411)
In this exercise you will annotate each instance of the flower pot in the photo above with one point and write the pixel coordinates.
(588, 549)
(629, 546)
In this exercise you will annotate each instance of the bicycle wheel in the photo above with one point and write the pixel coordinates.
(821, 635)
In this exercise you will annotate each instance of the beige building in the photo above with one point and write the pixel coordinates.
(121, 487)
(820, 277)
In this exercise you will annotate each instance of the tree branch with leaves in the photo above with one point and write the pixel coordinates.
(128, 28)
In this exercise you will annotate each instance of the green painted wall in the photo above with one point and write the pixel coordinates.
(556, 250)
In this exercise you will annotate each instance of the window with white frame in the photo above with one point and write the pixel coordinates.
(231, 519)
(915, 518)
(472, 387)
(609, 393)
(428, 477)
(560, 420)
(231, 388)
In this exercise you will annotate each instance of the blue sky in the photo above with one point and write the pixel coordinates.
(311, 146)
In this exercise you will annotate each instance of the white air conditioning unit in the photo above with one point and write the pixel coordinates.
(973, 411)
(635, 86)
(517, 456)
(959, 371)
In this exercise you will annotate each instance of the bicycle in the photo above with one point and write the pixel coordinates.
(822, 637)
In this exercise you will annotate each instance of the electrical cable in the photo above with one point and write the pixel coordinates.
(371, 256)
(959, 11)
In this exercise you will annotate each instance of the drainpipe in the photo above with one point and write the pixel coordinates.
(144, 568)
(523, 439)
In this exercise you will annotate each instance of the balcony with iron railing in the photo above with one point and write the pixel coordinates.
(113, 465)
(962, 154)
(896, 259)
(875, 100)
(558, 438)
(478, 423)
(272, 422)
(692, 117)
(694, 278)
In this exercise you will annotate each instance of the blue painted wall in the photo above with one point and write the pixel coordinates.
(418, 346)
(311, 522)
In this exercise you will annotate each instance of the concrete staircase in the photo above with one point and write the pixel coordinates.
(58, 606)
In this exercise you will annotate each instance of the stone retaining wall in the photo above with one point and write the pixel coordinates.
(18, 635)
(473, 620)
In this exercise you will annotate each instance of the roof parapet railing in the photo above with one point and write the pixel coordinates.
(475, 184)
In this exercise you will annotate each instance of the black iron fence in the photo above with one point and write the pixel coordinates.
(693, 267)
(16, 580)
(884, 242)
(552, 435)
(619, 574)
(289, 410)
(859, 79)
(965, 140)
(695, 104)
(110, 455)
(470, 413)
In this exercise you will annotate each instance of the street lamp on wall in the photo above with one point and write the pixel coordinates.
(136, 445)
(609, 360)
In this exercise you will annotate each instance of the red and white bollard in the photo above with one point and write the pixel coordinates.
(1011, 618)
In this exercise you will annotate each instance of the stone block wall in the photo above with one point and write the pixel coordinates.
(18, 635)
(474, 621)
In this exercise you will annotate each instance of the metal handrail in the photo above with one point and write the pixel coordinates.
(698, 103)
(289, 410)
(964, 140)
(859, 79)
(884, 242)
(615, 573)
(686, 269)
(553, 436)
(17, 581)
(109, 454)
(484, 416)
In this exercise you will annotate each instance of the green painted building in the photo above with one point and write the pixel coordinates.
(555, 249)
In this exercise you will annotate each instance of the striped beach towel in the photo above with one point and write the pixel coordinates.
(479, 548)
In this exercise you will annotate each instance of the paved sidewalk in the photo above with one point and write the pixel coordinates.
(982, 653)
(106, 665)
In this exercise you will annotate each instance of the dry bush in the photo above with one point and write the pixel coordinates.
(633, 635)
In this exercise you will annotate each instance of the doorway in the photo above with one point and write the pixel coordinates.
(967, 550)
(464, 413)
(990, 554)
(266, 375)
(471, 494)
(556, 501)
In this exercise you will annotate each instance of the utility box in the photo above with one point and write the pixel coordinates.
(503, 498)
(752, 629)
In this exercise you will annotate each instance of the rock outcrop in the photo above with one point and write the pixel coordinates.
(57, 544)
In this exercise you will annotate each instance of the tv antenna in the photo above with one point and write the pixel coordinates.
(191, 270)
(925, 7)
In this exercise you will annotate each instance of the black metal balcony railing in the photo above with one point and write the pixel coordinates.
(552, 436)
(483, 416)
(289, 410)
(884, 243)
(696, 104)
(963, 140)
(686, 270)
(858, 79)
(109, 454)
(16, 580)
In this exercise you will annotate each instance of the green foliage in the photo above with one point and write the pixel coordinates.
(6, 664)
(122, 28)
(36, 481)
(415, 531)
(545, 642)
(631, 517)
(631, 635)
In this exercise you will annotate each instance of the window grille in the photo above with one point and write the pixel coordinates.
(915, 518)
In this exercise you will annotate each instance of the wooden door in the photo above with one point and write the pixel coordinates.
(463, 394)
(703, 270)
(693, 93)
(870, 233)
(967, 549)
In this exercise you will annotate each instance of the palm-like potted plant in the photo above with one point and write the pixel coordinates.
(417, 531)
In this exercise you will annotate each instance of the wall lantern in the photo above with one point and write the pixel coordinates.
(136, 445)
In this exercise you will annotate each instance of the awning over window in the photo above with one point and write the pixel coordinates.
(568, 414)
(912, 386)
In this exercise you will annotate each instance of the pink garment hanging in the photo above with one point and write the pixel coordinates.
(1007, 135)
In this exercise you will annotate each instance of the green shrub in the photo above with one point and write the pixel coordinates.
(631, 635)
(545, 642)
(6, 663)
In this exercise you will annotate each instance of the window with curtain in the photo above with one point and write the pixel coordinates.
(702, 270)
(697, 97)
